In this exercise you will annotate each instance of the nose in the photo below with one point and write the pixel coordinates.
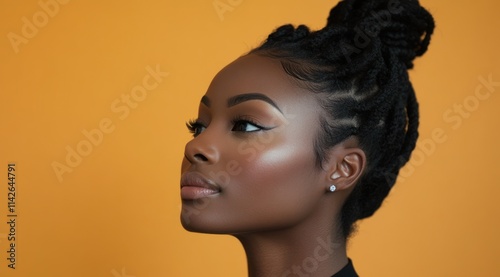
(201, 149)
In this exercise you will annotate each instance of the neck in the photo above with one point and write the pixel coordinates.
(294, 252)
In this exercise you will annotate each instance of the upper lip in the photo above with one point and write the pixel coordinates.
(195, 179)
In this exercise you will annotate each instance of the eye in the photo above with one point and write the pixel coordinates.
(195, 127)
(245, 125)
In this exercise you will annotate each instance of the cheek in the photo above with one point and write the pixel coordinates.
(276, 170)
(277, 163)
(276, 184)
(284, 160)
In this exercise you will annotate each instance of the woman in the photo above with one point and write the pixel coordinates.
(303, 136)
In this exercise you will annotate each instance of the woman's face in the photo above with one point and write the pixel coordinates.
(251, 165)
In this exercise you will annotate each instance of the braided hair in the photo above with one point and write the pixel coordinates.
(358, 66)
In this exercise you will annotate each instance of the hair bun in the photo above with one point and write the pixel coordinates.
(403, 26)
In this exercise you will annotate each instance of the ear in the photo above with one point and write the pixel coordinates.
(345, 167)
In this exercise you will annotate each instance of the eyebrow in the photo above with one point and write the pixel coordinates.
(240, 98)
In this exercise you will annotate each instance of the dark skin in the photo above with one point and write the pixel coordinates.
(250, 172)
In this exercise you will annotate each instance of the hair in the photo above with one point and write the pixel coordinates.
(358, 66)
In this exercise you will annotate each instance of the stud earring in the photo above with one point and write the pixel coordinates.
(332, 188)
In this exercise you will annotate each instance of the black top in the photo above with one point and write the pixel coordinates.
(347, 271)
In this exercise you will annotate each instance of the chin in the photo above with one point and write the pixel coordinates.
(199, 223)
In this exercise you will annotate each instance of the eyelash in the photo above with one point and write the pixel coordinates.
(195, 125)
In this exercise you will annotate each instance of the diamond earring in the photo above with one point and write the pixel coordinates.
(332, 188)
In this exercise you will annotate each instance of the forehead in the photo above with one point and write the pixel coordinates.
(258, 74)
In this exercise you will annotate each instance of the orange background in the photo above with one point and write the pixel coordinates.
(117, 212)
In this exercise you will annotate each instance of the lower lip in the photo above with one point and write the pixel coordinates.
(192, 193)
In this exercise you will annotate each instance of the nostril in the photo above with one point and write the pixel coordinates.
(200, 157)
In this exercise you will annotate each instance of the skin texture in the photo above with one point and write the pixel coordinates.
(270, 194)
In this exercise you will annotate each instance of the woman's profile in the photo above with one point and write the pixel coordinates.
(305, 135)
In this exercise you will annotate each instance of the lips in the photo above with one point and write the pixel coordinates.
(195, 186)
